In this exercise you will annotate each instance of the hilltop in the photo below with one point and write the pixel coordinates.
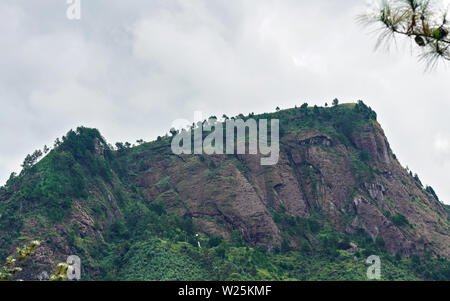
(133, 212)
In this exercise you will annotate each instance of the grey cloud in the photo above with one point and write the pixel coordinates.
(131, 68)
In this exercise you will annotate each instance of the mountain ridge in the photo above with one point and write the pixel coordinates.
(337, 180)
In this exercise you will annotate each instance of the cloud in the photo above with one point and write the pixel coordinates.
(441, 144)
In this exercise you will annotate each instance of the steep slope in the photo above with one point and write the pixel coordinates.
(354, 179)
(337, 181)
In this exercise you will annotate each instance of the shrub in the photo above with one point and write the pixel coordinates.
(157, 207)
(220, 252)
(364, 156)
(314, 226)
(214, 241)
(212, 164)
(400, 220)
(285, 247)
(380, 242)
(306, 247)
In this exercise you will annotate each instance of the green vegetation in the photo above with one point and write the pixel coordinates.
(168, 250)
(400, 220)
(84, 195)
(11, 268)
(431, 191)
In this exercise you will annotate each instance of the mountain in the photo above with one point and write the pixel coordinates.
(337, 195)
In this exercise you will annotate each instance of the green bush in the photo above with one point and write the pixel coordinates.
(157, 207)
(400, 220)
(214, 241)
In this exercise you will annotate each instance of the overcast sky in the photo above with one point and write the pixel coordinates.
(129, 68)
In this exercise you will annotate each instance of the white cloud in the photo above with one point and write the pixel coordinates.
(441, 144)
(132, 68)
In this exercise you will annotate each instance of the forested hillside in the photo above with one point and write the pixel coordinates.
(138, 212)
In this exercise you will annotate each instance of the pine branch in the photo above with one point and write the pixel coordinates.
(417, 20)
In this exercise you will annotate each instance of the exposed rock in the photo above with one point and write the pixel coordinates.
(313, 172)
(99, 147)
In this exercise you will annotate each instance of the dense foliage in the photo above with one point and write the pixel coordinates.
(163, 247)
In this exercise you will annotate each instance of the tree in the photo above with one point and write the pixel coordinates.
(57, 143)
(120, 146)
(335, 102)
(30, 160)
(417, 20)
(304, 108)
(12, 179)
(417, 179)
(363, 109)
(431, 191)
(10, 268)
(173, 132)
(61, 272)
(316, 110)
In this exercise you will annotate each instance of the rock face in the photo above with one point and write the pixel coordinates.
(314, 172)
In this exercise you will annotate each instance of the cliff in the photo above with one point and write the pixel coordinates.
(336, 172)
